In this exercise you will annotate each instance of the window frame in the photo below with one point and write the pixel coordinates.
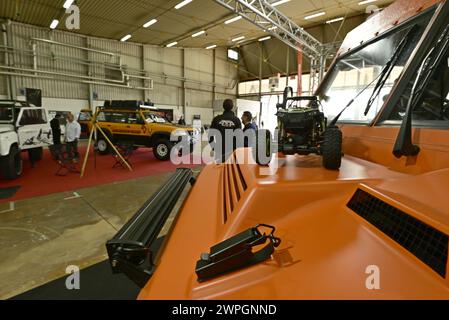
(326, 83)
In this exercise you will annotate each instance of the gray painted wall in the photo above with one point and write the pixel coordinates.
(186, 80)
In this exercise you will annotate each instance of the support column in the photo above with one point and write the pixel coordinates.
(287, 67)
(214, 75)
(4, 30)
(146, 93)
(184, 100)
(89, 73)
(299, 71)
(260, 82)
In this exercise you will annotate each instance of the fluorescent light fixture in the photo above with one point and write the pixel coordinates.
(182, 4)
(272, 28)
(265, 38)
(238, 38)
(68, 4)
(277, 3)
(174, 43)
(335, 20)
(361, 3)
(315, 15)
(211, 46)
(125, 38)
(150, 23)
(198, 33)
(233, 19)
(54, 24)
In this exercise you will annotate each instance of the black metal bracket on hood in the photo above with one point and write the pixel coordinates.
(131, 251)
(236, 253)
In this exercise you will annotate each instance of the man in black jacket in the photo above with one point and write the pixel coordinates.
(224, 124)
(56, 129)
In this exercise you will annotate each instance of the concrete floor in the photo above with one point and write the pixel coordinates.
(40, 237)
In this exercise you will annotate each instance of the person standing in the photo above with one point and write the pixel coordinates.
(72, 135)
(181, 121)
(247, 120)
(248, 124)
(55, 125)
(226, 122)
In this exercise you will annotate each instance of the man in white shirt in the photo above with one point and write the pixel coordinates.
(72, 134)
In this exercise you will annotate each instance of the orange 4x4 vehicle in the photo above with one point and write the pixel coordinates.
(132, 122)
(377, 228)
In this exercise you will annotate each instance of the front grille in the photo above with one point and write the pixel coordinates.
(234, 185)
(425, 242)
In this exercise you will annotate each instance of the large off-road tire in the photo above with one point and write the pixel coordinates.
(36, 154)
(162, 149)
(12, 165)
(265, 135)
(331, 148)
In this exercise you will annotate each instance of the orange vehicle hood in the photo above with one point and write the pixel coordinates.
(326, 247)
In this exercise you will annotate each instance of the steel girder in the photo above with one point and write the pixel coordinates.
(262, 14)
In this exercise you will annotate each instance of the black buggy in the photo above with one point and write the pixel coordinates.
(303, 130)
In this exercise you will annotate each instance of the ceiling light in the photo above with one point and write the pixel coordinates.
(238, 38)
(126, 38)
(211, 47)
(182, 4)
(172, 44)
(315, 15)
(233, 19)
(198, 33)
(335, 20)
(54, 24)
(150, 23)
(68, 4)
(361, 3)
(277, 3)
(265, 38)
(272, 28)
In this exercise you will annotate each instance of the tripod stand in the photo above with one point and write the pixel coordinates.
(94, 130)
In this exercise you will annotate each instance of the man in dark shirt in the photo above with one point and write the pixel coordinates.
(247, 119)
(56, 129)
(227, 122)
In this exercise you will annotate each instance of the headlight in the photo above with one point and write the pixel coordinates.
(180, 133)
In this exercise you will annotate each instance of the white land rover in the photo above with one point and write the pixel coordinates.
(22, 127)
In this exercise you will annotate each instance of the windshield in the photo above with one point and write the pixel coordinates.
(362, 70)
(84, 116)
(152, 117)
(6, 112)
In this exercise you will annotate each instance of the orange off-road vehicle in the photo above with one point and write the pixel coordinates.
(375, 229)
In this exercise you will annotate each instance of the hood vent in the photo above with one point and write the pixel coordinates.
(234, 185)
(425, 242)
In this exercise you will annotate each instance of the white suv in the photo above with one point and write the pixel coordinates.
(22, 127)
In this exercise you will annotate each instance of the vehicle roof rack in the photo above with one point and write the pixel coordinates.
(127, 104)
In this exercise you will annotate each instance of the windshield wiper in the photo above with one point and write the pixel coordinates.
(380, 78)
(404, 145)
(388, 68)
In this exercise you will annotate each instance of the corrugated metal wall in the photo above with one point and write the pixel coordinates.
(171, 69)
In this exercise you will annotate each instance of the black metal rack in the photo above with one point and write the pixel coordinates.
(129, 250)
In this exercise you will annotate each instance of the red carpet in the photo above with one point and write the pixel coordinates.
(41, 180)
